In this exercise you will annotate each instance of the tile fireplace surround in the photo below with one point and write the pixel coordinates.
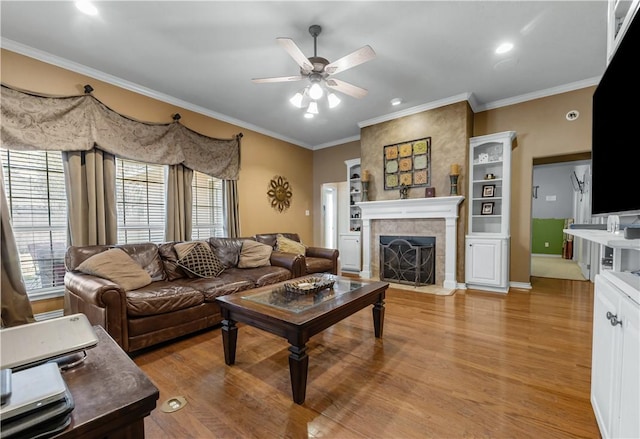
(414, 209)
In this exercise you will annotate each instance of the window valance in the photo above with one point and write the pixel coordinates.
(79, 123)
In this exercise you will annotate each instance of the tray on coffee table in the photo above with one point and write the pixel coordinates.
(310, 284)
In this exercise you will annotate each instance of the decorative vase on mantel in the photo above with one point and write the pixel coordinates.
(365, 191)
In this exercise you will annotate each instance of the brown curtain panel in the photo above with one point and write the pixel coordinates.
(231, 209)
(16, 307)
(90, 178)
(179, 203)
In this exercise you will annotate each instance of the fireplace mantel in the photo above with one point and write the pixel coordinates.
(413, 208)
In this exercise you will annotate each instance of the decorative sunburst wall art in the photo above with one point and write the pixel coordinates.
(279, 193)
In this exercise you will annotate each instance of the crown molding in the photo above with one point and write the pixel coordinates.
(136, 88)
(337, 142)
(415, 110)
(539, 94)
(476, 107)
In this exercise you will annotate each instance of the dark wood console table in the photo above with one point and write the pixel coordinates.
(112, 395)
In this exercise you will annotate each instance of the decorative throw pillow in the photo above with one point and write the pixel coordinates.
(117, 266)
(254, 254)
(197, 258)
(287, 245)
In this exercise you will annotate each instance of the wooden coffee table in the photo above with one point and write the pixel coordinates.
(298, 317)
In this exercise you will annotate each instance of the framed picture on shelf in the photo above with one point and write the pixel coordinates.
(487, 208)
(488, 190)
(429, 192)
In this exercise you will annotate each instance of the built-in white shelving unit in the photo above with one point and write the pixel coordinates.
(350, 245)
(487, 240)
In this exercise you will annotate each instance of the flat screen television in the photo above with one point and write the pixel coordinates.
(615, 168)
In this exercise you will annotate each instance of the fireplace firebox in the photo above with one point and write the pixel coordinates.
(408, 259)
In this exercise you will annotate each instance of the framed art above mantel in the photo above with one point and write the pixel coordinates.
(407, 163)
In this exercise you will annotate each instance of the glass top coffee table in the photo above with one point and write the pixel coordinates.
(298, 316)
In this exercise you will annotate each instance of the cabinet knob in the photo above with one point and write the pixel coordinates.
(613, 318)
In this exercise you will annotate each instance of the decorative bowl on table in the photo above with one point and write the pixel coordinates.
(309, 285)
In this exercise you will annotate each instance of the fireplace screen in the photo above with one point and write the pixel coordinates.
(408, 259)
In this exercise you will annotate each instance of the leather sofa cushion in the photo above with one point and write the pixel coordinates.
(160, 298)
(77, 255)
(262, 276)
(146, 254)
(271, 238)
(169, 258)
(227, 250)
(212, 288)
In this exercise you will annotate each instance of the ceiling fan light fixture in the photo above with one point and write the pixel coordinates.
(308, 116)
(334, 100)
(296, 100)
(315, 91)
(313, 108)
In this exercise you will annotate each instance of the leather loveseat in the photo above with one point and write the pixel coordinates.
(174, 302)
(316, 259)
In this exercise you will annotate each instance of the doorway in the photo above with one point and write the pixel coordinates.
(330, 215)
(560, 195)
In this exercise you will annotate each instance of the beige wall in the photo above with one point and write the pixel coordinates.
(542, 131)
(449, 128)
(329, 167)
(262, 157)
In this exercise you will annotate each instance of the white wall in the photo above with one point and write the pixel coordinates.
(555, 189)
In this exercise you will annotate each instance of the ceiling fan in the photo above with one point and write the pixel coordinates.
(319, 70)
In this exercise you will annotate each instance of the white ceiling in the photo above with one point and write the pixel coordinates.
(202, 55)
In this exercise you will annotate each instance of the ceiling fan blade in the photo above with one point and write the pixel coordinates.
(279, 79)
(294, 51)
(346, 88)
(356, 58)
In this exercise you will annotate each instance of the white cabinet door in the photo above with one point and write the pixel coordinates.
(615, 380)
(629, 426)
(350, 250)
(485, 261)
(604, 355)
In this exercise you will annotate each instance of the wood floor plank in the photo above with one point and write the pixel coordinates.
(473, 364)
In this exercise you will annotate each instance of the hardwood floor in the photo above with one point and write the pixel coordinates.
(474, 364)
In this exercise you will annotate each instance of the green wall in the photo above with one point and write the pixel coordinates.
(547, 230)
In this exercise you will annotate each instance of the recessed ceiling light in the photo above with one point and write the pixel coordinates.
(86, 7)
(396, 101)
(308, 116)
(504, 48)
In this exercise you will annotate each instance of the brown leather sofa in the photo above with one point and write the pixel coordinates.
(316, 259)
(173, 304)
